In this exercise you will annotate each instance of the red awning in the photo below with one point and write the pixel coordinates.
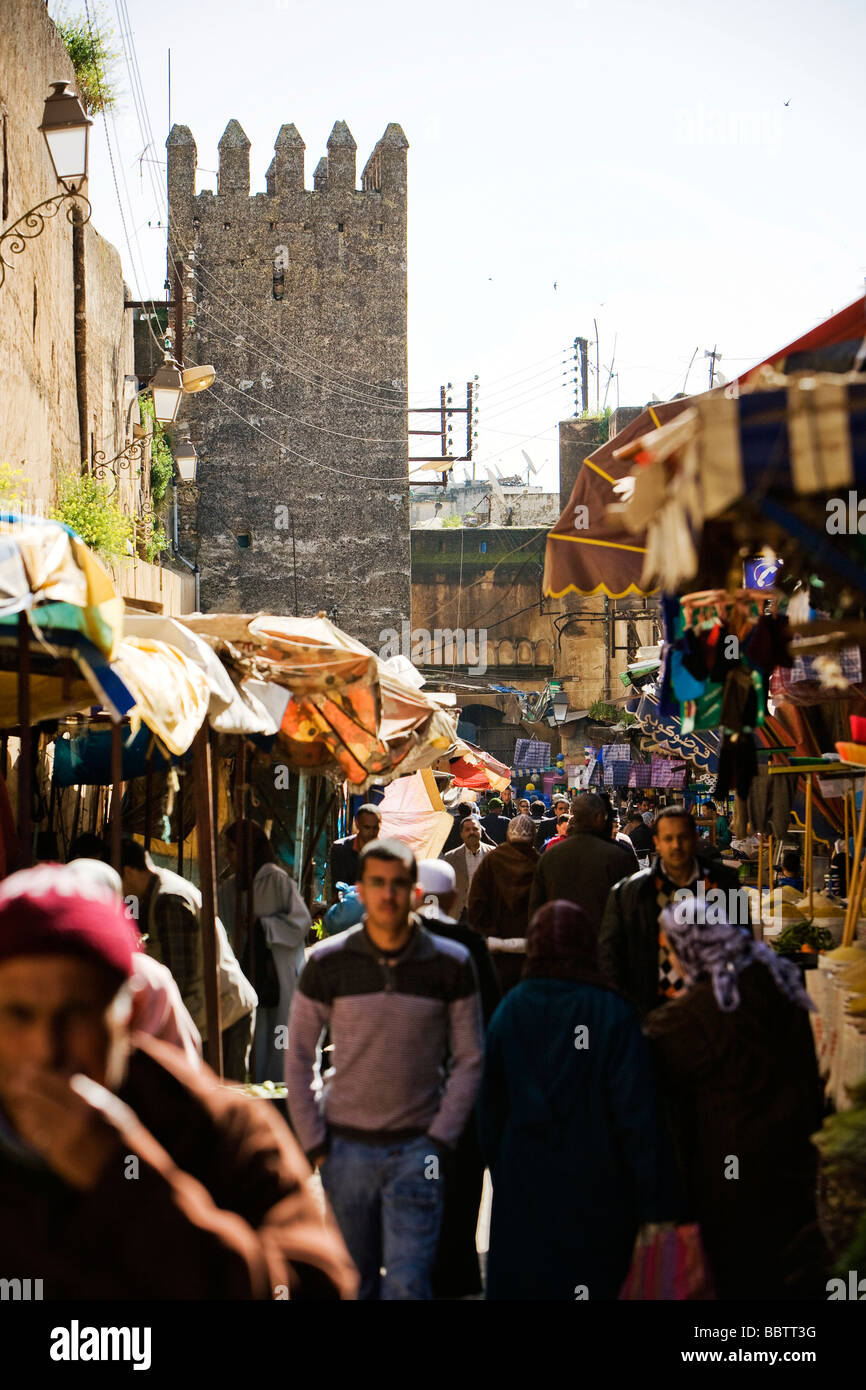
(480, 771)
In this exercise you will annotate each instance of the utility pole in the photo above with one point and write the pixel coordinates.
(581, 347)
(595, 325)
(714, 357)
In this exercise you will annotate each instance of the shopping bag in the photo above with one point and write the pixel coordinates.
(669, 1264)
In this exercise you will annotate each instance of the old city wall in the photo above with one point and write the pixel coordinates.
(297, 297)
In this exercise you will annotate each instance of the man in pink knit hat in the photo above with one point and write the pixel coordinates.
(113, 1151)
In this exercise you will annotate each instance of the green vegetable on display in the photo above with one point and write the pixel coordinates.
(798, 935)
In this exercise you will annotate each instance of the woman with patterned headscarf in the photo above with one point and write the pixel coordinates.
(737, 1059)
(569, 1126)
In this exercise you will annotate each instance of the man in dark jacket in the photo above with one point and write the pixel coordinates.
(639, 833)
(455, 834)
(346, 853)
(631, 951)
(547, 826)
(494, 822)
(585, 866)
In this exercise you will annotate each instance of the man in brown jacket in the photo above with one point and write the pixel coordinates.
(123, 1173)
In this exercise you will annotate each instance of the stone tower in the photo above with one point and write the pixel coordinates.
(297, 297)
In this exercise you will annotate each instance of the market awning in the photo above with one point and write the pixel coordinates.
(780, 440)
(74, 623)
(48, 571)
(347, 711)
(479, 771)
(412, 811)
(589, 552)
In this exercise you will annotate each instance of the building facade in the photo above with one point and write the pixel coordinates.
(297, 297)
(67, 375)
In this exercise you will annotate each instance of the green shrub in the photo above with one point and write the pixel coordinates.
(93, 57)
(156, 542)
(87, 507)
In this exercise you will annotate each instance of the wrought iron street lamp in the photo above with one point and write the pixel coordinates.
(103, 468)
(186, 459)
(66, 131)
(167, 387)
(65, 128)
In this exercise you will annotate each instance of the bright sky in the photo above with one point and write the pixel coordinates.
(630, 163)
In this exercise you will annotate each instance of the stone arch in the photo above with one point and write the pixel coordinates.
(525, 653)
(505, 655)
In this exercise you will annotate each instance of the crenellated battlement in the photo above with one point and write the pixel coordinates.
(384, 171)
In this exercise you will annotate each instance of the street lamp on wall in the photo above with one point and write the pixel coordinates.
(560, 707)
(186, 459)
(167, 387)
(65, 129)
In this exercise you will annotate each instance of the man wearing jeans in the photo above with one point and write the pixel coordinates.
(402, 1009)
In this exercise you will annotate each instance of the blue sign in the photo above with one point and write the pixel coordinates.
(760, 573)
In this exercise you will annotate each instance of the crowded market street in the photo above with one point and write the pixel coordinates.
(432, 693)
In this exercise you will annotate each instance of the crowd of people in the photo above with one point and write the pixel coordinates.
(547, 1000)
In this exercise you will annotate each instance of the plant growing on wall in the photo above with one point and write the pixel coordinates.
(602, 424)
(161, 461)
(86, 506)
(600, 712)
(151, 538)
(89, 42)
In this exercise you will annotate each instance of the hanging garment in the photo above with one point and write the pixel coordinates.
(10, 845)
(742, 701)
(770, 801)
(738, 765)
(685, 686)
(768, 645)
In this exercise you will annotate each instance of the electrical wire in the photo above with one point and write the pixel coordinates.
(524, 377)
(120, 207)
(286, 449)
(307, 424)
(347, 380)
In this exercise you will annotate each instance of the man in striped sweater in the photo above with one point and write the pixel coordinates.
(403, 1012)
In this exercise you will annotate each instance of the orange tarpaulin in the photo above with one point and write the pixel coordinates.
(347, 711)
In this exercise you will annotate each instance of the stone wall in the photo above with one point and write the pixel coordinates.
(39, 425)
(39, 419)
(297, 297)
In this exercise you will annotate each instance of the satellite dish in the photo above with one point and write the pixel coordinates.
(529, 464)
(495, 488)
